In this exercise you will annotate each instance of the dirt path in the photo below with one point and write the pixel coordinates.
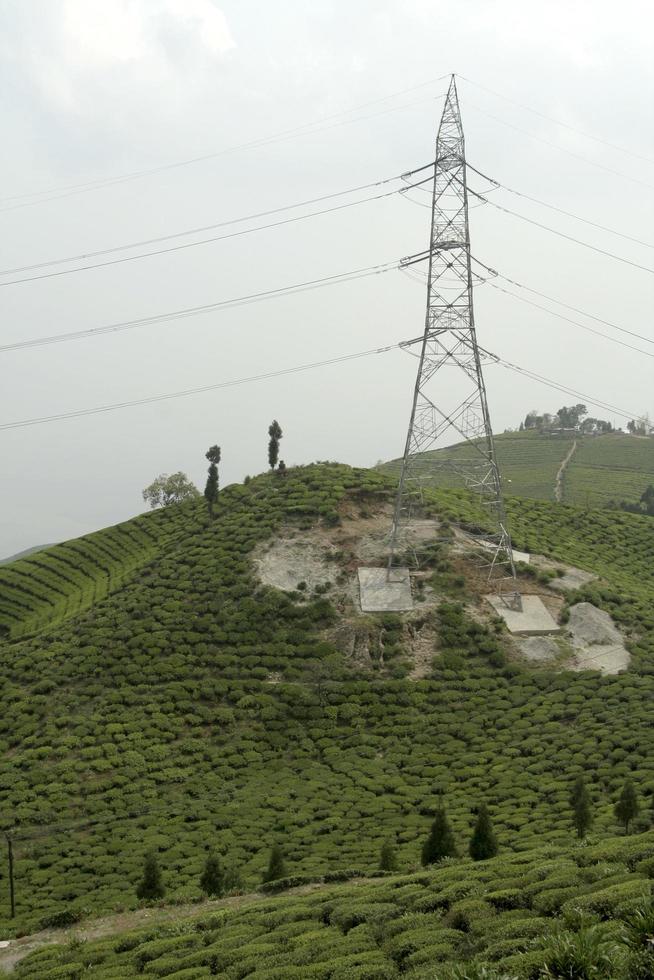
(558, 486)
(113, 925)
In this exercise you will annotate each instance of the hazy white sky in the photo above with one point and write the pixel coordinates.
(94, 89)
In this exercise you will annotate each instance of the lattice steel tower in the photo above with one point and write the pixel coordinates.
(447, 403)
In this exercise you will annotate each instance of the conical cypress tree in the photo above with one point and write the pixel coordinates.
(276, 864)
(582, 814)
(212, 879)
(151, 886)
(627, 806)
(483, 843)
(211, 488)
(388, 857)
(275, 433)
(440, 843)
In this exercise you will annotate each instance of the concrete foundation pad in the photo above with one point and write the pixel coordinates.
(380, 593)
(533, 620)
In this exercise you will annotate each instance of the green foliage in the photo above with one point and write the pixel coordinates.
(276, 865)
(440, 843)
(212, 879)
(151, 886)
(388, 856)
(582, 814)
(627, 807)
(211, 487)
(275, 433)
(483, 843)
(188, 703)
(386, 927)
(170, 489)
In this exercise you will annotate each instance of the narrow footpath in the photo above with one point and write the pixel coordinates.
(558, 486)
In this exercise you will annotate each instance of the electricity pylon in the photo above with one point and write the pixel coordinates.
(455, 405)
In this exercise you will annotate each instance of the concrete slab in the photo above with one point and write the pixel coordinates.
(534, 619)
(522, 556)
(379, 594)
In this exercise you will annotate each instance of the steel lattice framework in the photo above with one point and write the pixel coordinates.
(449, 341)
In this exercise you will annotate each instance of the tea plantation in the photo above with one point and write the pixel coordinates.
(519, 914)
(159, 698)
(605, 468)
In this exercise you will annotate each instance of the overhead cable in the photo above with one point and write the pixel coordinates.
(306, 129)
(207, 241)
(567, 306)
(219, 224)
(561, 234)
(204, 308)
(100, 409)
(552, 207)
(570, 153)
(557, 122)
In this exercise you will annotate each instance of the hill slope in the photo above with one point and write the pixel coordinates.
(503, 912)
(194, 707)
(600, 468)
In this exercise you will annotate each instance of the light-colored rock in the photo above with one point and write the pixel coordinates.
(539, 648)
(597, 642)
(589, 626)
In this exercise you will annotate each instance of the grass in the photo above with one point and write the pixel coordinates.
(149, 721)
(512, 913)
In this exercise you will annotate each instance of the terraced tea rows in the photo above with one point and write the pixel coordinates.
(611, 467)
(514, 913)
(65, 579)
(193, 707)
(602, 468)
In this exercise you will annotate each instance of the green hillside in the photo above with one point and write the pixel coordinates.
(610, 467)
(52, 584)
(601, 468)
(183, 705)
(519, 913)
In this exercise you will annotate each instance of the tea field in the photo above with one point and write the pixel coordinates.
(181, 706)
(519, 914)
(610, 467)
(602, 468)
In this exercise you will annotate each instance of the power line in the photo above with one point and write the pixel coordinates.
(207, 241)
(557, 122)
(606, 406)
(306, 129)
(559, 316)
(567, 306)
(195, 391)
(204, 308)
(554, 231)
(553, 207)
(570, 153)
(219, 224)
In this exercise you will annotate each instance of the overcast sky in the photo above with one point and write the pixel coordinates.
(95, 89)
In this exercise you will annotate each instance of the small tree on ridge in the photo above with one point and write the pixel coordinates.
(151, 885)
(212, 879)
(275, 433)
(211, 489)
(483, 843)
(440, 843)
(627, 806)
(582, 813)
(276, 864)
